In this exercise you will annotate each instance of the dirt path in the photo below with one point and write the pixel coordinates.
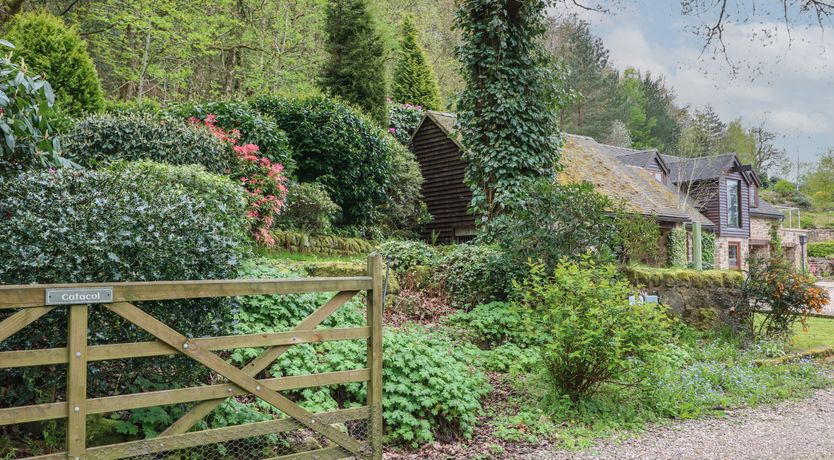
(793, 430)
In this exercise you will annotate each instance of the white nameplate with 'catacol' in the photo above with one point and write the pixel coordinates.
(72, 296)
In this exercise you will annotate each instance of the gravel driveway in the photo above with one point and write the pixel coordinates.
(829, 285)
(793, 430)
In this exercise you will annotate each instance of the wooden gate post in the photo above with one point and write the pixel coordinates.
(375, 305)
(77, 382)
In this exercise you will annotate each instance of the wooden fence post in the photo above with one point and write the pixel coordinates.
(77, 382)
(375, 305)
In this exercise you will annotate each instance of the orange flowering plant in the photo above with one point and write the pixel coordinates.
(781, 295)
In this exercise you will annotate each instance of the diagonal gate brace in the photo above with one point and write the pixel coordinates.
(179, 342)
(200, 410)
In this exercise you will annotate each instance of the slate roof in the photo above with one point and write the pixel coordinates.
(585, 160)
(766, 209)
(692, 169)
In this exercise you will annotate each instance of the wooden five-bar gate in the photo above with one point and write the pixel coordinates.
(178, 441)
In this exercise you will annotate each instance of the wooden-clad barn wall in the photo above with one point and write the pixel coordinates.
(446, 196)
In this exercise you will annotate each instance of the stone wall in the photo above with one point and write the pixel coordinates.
(821, 267)
(703, 298)
(820, 235)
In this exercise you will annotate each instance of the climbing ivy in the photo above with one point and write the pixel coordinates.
(676, 248)
(508, 110)
(708, 249)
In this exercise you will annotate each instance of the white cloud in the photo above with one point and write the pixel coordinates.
(786, 84)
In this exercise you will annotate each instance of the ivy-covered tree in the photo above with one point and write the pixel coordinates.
(49, 47)
(355, 66)
(414, 80)
(508, 111)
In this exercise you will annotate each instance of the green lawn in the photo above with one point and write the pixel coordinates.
(820, 333)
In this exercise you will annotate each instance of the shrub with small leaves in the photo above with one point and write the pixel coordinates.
(103, 139)
(474, 274)
(309, 209)
(595, 334)
(708, 249)
(404, 255)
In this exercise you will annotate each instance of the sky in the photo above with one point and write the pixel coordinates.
(785, 80)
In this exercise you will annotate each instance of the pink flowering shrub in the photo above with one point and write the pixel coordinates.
(264, 181)
(403, 120)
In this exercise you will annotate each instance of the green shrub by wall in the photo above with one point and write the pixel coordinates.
(405, 255)
(308, 209)
(823, 249)
(474, 274)
(676, 248)
(51, 48)
(103, 139)
(105, 226)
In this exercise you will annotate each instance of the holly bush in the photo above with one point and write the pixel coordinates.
(403, 120)
(103, 139)
(133, 224)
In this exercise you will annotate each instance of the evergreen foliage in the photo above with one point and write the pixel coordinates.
(51, 48)
(508, 111)
(355, 66)
(414, 80)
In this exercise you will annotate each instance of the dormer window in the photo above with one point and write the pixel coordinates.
(733, 203)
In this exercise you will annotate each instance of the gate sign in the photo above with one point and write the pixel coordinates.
(74, 296)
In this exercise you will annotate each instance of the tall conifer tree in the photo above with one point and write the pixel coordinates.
(414, 80)
(355, 66)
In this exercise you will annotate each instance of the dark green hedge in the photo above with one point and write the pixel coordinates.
(823, 249)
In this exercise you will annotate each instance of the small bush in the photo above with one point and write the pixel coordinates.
(405, 255)
(404, 209)
(104, 226)
(309, 209)
(25, 106)
(781, 295)
(429, 389)
(824, 249)
(474, 274)
(250, 126)
(594, 334)
(638, 235)
(51, 48)
(103, 139)
(511, 358)
(494, 324)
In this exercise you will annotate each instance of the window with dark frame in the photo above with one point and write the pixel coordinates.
(734, 255)
(733, 203)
